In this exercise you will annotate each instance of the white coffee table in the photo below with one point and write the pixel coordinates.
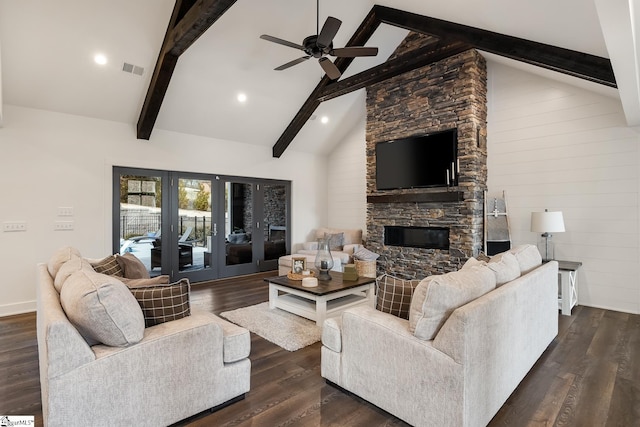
(328, 299)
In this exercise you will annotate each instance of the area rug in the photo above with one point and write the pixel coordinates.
(284, 329)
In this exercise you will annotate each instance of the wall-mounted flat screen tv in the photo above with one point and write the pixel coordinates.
(418, 161)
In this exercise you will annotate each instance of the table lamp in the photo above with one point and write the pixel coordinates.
(546, 223)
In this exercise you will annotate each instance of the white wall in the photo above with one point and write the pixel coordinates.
(49, 160)
(556, 146)
(1, 103)
(347, 180)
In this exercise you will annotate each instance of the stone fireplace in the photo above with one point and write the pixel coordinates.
(445, 95)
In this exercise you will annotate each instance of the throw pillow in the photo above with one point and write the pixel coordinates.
(132, 267)
(365, 254)
(238, 238)
(153, 281)
(102, 309)
(336, 241)
(528, 257)
(350, 236)
(393, 295)
(108, 265)
(473, 262)
(59, 257)
(76, 263)
(162, 304)
(505, 266)
(436, 297)
(483, 257)
(310, 246)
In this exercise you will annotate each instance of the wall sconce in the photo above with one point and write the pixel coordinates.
(546, 223)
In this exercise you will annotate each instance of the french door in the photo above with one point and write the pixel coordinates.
(256, 218)
(200, 226)
(193, 227)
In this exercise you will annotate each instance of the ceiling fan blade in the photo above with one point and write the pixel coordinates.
(329, 31)
(281, 41)
(329, 68)
(351, 52)
(292, 63)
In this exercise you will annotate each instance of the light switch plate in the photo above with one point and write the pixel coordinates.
(63, 225)
(14, 226)
(65, 211)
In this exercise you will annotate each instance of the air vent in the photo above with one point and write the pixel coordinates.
(132, 69)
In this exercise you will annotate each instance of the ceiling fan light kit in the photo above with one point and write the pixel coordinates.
(320, 45)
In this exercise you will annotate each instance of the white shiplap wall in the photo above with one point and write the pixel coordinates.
(346, 181)
(561, 147)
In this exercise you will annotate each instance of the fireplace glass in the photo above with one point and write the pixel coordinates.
(417, 237)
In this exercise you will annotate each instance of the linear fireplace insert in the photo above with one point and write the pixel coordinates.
(417, 237)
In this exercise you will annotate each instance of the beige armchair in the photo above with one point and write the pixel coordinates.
(172, 371)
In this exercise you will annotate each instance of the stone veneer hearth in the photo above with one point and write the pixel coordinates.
(448, 94)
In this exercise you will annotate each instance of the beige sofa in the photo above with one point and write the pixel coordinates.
(449, 366)
(175, 369)
(351, 241)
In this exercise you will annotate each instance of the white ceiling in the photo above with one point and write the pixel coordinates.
(47, 49)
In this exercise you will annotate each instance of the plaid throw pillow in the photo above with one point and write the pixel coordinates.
(394, 295)
(109, 266)
(163, 303)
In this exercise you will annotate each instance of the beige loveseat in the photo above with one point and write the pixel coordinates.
(465, 348)
(152, 376)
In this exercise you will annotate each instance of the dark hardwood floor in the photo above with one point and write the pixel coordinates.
(589, 375)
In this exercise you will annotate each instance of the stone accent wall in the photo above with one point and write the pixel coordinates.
(448, 94)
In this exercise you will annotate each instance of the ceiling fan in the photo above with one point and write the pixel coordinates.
(320, 45)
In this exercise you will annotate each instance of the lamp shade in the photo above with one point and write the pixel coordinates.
(547, 222)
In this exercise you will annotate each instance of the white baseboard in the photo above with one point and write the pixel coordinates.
(609, 307)
(17, 308)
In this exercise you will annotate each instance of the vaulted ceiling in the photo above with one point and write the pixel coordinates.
(46, 51)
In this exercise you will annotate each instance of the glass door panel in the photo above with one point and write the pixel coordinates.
(194, 246)
(140, 218)
(237, 237)
(238, 223)
(274, 207)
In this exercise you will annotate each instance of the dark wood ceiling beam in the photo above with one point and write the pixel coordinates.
(202, 15)
(189, 20)
(301, 117)
(408, 62)
(571, 62)
(359, 38)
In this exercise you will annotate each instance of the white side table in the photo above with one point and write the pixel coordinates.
(567, 285)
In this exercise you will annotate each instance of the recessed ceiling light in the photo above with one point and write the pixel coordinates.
(324, 120)
(100, 59)
(242, 97)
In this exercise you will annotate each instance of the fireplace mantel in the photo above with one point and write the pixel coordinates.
(441, 196)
